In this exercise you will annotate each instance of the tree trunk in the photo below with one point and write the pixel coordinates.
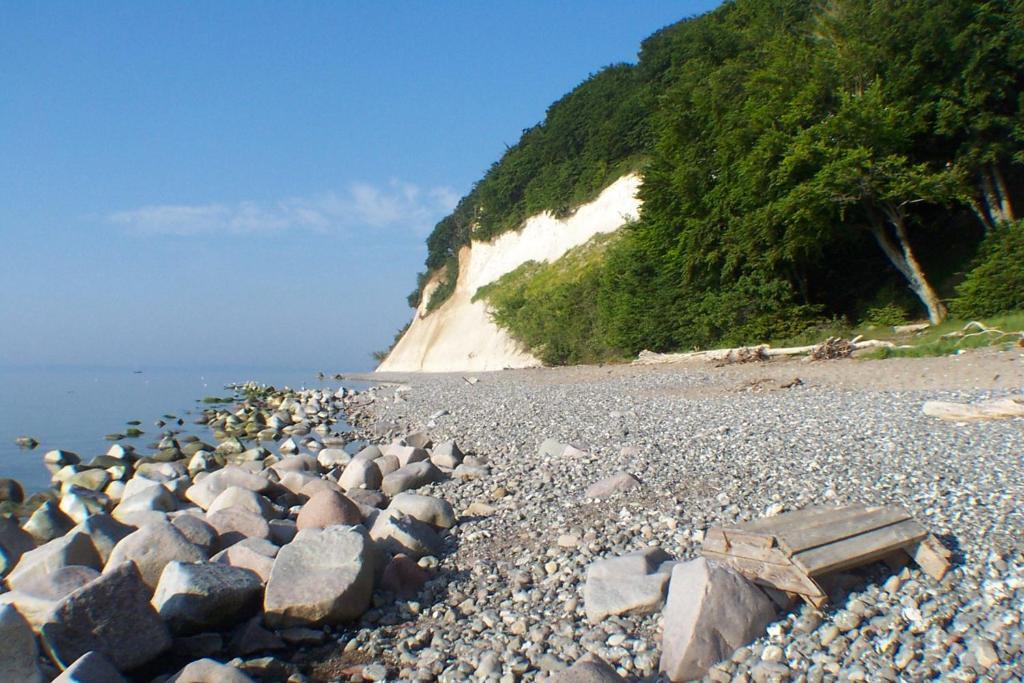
(902, 257)
(1005, 204)
(998, 204)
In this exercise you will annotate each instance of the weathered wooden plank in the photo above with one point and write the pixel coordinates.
(811, 516)
(783, 577)
(932, 557)
(861, 549)
(753, 547)
(797, 539)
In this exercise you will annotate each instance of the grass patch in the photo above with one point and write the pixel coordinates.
(935, 342)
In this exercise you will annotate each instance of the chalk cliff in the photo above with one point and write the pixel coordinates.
(459, 335)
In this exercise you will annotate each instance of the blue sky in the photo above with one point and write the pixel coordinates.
(250, 183)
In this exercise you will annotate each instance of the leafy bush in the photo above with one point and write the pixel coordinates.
(446, 286)
(888, 315)
(552, 308)
(995, 283)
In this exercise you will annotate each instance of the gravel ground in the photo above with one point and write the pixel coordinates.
(711, 445)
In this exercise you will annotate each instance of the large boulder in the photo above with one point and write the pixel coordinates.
(38, 595)
(429, 509)
(19, 658)
(234, 524)
(324, 576)
(327, 508)
(151, 547)
(446, 454)
(238, 497)
(710, 612)
(397, 533)
(193, 597)
(47, 522)
(630, 584)
(105, 532)
(196, 530)
(240, 555)
(206, 490)
(410, 477)
(209, 671)
(73, 549)
(360, 474)
(329, 458)
(92, 667)
(110, 615)
(14, 542)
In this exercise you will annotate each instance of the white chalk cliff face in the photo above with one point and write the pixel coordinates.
(459, 335)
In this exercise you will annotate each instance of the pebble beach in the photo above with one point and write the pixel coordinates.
(462, 516)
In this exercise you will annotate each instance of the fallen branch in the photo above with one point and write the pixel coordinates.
(759, 352)
(983, 329)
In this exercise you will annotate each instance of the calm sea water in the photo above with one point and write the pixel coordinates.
(74, 408)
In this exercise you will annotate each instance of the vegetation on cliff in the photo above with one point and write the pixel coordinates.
(803, 162)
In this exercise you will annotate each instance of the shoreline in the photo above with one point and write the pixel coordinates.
(502, 591)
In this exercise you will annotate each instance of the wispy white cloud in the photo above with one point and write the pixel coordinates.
(397, 205)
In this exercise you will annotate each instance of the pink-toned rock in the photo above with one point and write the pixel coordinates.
(311, 488)
(244, 557)
(403, 577)
(327, 508)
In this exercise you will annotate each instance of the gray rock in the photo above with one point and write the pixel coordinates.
(398, 533)
(282, 531)
(411, 477)
(324, 576)
(387, 464)
(240, 555)
(408, 454)
(360, 473)
(418, 440)
(56, 459)
(206, 490)
(620, 481)
(630, 584)
(18, 653)
(14, 542)
(711, 610)
(105, 532)
(368, 454)
(110, 615)
(151, 547)
(446, 454)
(551, 448)
(329, 458)
(238, 497)
(11, 490)
(38, 595)
(196, 531)
(80, 503)
(429, 509)
(47, 522)
(588, 669)
(92, 667)
(73, 549)
(150, 499)
(193, 597)
(235, 524)
(209, 671)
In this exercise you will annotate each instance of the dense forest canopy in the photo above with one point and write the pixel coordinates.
(801, 161)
